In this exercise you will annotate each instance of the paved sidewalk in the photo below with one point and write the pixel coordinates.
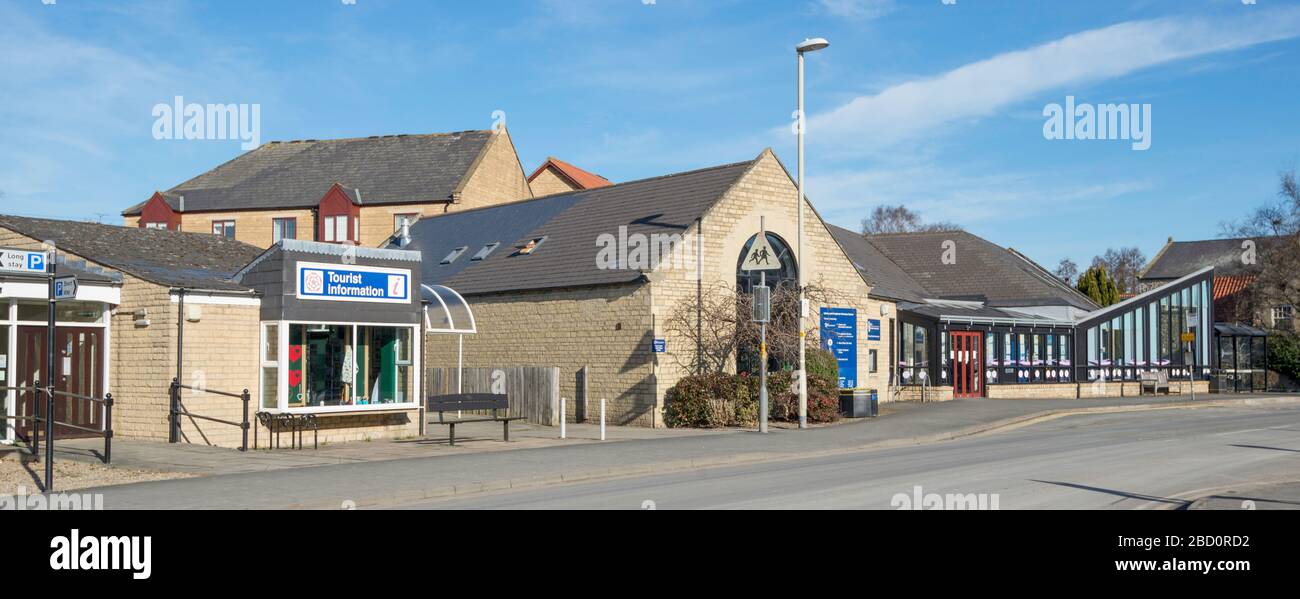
(460, 472)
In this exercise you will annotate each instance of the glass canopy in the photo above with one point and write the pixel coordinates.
(445, 311)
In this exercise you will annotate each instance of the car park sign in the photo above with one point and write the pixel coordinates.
(65, 288)
(22, 261)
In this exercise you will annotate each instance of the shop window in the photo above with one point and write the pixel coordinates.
(283, 228)
(270, 366)
(343, 365)
(224, 228)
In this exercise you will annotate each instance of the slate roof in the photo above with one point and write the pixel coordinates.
(1179, 258)
(954, 311)
(196, 261)
(390, 169)
(887, 279)
(572, 223)
(909, 267)
(578, 177)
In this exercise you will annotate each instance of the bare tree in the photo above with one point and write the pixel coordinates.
(900, 219)
(1274, 232)
(1066, 271)
(718, 325)
(1123, 265)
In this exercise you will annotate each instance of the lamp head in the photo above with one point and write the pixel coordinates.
(811, 45)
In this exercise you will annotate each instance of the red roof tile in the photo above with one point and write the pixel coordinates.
(1231, 285)
(578, 177)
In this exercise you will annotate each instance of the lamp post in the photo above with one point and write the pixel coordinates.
(808, 45)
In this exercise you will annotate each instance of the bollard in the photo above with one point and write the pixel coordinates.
(602, 419)
(563, 433)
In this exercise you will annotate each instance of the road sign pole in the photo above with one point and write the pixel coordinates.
(762, 366)
(50, 370)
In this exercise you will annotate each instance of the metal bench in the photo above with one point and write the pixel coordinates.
(471, 402)
(1155, 381)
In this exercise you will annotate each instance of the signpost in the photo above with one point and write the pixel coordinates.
(22, 261)
(65, 288)
(761, 258)
(51, 369)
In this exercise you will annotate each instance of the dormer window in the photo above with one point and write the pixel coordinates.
(486, 251)
(456, 253)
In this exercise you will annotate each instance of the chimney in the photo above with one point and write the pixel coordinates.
(405, 238)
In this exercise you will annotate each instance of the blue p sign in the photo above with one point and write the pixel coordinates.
(36, 262)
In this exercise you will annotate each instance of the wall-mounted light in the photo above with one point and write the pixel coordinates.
(141, 318)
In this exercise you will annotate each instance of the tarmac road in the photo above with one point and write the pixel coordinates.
(1142, 460)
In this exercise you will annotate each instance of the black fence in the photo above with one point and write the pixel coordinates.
(41, 407)
(178, 411)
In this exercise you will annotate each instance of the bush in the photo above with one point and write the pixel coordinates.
(712, 401)
(823, 397)
(822, 363)
(729, 400)
(1284, 354)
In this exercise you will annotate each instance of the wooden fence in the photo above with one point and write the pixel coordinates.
(534, 391)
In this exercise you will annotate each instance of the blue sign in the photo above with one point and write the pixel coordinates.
(22, 261)
(660, 346)
(339, 283)
(873, 329)
(839, 331)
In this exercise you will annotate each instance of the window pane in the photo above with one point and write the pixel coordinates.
(74, 311)
(270, 388)
(271, 349)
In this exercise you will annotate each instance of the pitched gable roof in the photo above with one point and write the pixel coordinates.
(390, 169)
(983, 270)
(576, 177)
(571, 223)
(190, 260)
(886, 278)
(1179, 258)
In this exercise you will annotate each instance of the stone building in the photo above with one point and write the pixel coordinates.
(589, 279)
(351, 191)
(557, 176)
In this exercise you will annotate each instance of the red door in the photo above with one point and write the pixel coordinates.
(79, 355)
(967, 364)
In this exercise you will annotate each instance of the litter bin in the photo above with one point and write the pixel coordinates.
(859, 403)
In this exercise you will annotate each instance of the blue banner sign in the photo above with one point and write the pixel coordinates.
(341, 283)
(22, 261)
(873, 329)
(660, 346)
(839, 330)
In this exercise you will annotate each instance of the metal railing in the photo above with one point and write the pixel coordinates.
(37, 419)
(178, 410)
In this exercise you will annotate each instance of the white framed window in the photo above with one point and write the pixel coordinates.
(270, 362)
(283, 228)
(224, 228)
(336, 229)
(157, 226)
(1283, 317)
(335, 367)
(405, 218)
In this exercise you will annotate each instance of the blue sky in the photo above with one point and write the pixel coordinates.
(936, 106)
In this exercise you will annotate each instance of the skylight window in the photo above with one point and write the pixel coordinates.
(529, 247)
(487, 250)
(456, 253)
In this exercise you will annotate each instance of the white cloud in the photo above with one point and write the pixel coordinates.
(916, 110)
(856, 10)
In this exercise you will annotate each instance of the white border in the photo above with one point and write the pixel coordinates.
(297, 282)
(282, 405)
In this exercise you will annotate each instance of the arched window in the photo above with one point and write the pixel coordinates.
(787, 275)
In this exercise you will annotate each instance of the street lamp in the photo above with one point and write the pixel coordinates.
(808, 45)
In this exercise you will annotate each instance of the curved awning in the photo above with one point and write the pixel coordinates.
(445, 311)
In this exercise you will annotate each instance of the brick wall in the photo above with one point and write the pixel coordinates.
(497, 178)
(547, 183)
(767, 191)
(607, 329)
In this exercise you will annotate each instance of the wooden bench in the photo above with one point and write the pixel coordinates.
(1155, 381)
(498, 404)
